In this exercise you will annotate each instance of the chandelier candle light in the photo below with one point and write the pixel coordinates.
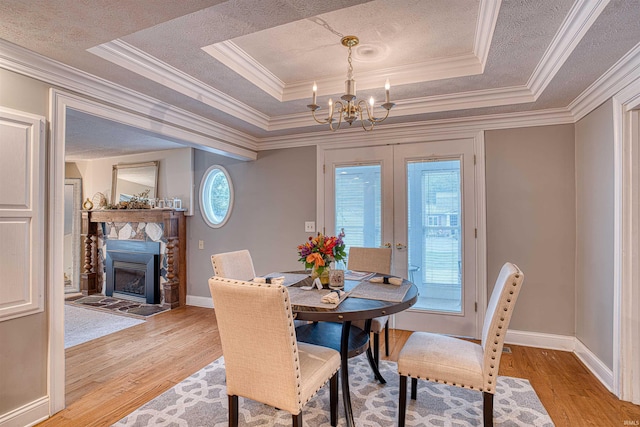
(351, 109)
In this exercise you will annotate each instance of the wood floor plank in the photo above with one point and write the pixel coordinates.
(110, 377)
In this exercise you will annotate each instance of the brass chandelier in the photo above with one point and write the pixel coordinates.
(349, 109)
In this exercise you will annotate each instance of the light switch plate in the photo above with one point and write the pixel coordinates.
(200, 244)
(309, 226)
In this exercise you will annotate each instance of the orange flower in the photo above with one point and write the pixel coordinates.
(316, 259)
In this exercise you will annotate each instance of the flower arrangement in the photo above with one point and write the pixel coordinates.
(321, 250)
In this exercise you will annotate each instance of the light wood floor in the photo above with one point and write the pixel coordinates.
(110, 377)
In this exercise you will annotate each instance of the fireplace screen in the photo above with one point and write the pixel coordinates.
(129, 278)
(133, 270)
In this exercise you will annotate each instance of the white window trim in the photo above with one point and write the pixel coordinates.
(203, 202)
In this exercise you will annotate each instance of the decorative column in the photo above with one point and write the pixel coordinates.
(172, 234)
(88, 279)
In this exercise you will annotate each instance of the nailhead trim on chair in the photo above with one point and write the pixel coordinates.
(444, 382)
(295, 350)
(495, 342)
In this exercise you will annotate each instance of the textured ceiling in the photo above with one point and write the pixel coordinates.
(249, 65)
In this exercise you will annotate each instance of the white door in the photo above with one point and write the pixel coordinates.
(420, 199)
(434, 234)
(358, 186)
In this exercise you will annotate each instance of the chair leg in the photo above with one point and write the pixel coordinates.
(233, 411)
(414, 388)
(376, 349)
(333, 399)
(487, 409)
(386, 338)
(402, 401)
(296, 420)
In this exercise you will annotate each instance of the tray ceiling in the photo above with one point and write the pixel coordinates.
(249, 65)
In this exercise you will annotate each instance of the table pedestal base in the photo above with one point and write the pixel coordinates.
(340, 336)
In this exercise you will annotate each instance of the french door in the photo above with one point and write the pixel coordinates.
(418, 199)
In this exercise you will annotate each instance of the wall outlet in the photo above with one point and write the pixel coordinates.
(309, 226)
(200, 244)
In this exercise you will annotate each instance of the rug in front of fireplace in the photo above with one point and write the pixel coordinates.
(85, 324)
(117, 305)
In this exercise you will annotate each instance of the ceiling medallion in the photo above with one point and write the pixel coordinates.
(351, 109)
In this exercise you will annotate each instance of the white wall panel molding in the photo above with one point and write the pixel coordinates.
(22, 213)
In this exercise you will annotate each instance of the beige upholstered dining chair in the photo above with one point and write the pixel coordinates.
(449, 360)
(233, 265)
(376, 260)
(263, 360)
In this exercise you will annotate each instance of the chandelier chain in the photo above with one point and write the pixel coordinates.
(325, 25)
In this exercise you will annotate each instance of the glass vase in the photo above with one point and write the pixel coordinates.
(322, 272)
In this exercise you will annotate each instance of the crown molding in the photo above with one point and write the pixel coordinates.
(140, 62)
(487, 18)
(620, 75)
(245, 65)
(578, 21)
(421, 131)
(231, 55)
(582, 15)
(430, 104)
(31, 64)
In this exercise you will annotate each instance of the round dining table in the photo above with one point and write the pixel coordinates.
(333, 328)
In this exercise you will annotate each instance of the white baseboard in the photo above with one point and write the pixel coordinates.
(205, 302)
(565, 343)
(541, 340)
(595, 365)
(28, 415)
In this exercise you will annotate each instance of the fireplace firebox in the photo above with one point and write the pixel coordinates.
(133, 270)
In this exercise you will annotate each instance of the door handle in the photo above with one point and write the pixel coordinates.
(400, 246)
(387, 245)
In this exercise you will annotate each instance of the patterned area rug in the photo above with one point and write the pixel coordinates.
(121, 306)
(201, 400)
(82, 324)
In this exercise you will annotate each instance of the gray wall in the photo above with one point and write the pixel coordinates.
(23, 355)
(531, 221)
(595, 233)
(274, 196)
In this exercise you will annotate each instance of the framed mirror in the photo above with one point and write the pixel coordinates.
(130, 179)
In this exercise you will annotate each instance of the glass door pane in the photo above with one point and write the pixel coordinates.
(358, 205)
(358, 195)
(434, 244)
